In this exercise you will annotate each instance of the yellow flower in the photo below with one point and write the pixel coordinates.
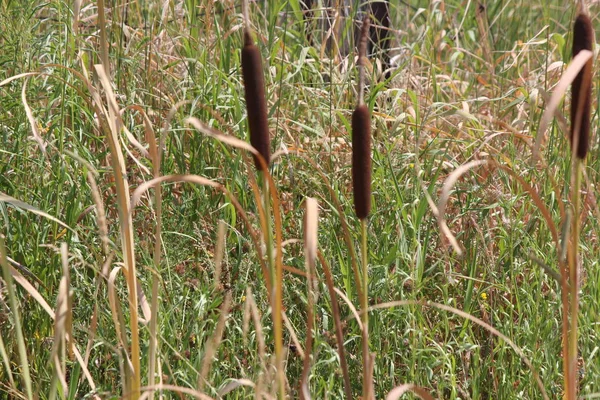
(484, 296)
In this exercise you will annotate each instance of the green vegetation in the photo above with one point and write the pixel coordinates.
(150, 92)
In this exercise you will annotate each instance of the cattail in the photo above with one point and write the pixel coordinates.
(583, 39)
(361, 138)
(361, 160)
(256, 102)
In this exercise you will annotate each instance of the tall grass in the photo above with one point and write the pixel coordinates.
(139, 181)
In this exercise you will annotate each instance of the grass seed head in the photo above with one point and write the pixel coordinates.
(583, 39)
(361, 160)
(256, 102)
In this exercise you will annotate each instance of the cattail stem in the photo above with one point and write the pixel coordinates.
(573, 262)
(277, 296)
(583, 39)
(364, 305)
(361, 180)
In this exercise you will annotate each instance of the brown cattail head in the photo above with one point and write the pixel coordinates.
(583, 39)
(361, 160)
(256, 101)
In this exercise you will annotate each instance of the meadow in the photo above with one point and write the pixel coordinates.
(143, 255)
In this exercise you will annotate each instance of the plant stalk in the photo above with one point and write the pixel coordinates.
(277, 297)
(574, 282)
(364, 308)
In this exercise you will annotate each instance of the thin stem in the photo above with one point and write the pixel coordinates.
(277, 297)
(364, 308)
(574, 281)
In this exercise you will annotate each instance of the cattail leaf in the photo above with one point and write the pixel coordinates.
(583, 39)
(361, 160)
(256, 101)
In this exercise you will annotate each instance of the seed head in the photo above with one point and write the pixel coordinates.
(361, 160)
(256, 102)
(583, 39)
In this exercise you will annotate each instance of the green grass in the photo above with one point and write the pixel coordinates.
(435, 114)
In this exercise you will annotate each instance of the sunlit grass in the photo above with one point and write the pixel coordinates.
(470, 84)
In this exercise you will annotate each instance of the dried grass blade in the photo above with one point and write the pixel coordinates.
(14, 305)
(103, 37)
(144, 187)
(445, 195)
(6, 362)
(61, 324)
(117, 315)
(219, 253)
(69, 299)
(399, 391)
(213, 343)
(227, 139)
(149, 390)
(126, 222)
(236, 383)
(32, 291)
(76, 10)
(260, 338)
(339, 334)
(32, 122)
(310, 253)
(15, 77)
(353, 310)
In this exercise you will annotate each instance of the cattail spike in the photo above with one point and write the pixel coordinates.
(256, 102)
(361, 160)
(583, 39)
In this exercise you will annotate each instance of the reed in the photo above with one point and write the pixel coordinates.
(256, 106)
(583, 39)
(361, 184)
